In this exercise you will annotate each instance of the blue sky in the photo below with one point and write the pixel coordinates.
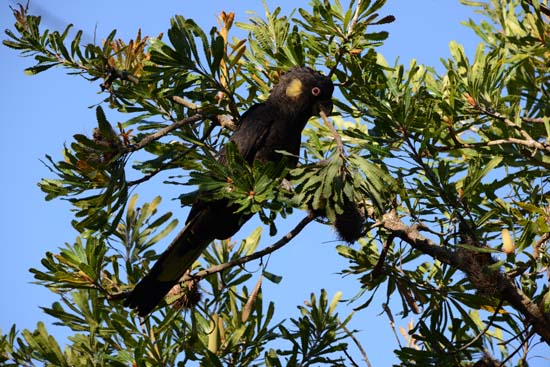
(39, 114)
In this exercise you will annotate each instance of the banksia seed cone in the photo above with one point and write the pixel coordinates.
(189, 295)
(349, 224)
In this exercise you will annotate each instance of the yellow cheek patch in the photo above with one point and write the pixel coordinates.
(294, 89)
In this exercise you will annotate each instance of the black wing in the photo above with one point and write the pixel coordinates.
(251, 134)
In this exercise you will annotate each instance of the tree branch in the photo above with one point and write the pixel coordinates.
(377, 271)
(529, 141)
(165, 165)
(388, 313)
(501, 282)
(337, 138)
(358, 344)
(485, 329)
(274, 247)
(543, 9)
(341, 49)
(243, 260)
(225, 121)
(533, 120)
(163, 132)
(355, 18)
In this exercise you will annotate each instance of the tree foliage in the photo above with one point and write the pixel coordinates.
(440, 170)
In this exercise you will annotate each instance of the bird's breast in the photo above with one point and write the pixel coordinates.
(282, 136)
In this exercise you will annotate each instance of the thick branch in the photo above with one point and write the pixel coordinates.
(507, 289)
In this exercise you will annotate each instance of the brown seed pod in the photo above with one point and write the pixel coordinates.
(349, 224)
(508, 245)
(189, 295)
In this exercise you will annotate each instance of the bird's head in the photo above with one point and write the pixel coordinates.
(303, 91)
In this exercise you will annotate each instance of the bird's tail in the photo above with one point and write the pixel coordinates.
(184, 250)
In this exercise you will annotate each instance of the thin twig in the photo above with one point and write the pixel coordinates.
(274, 247)
(350, 358)
(543, 9)
(163, 132)
(358, 344)
(517, 349)
(533, 120)
(527, 143)
(387, 310)
(342, 49)
(225, 121)
(536, 253)
(337, 138)
(378, 267)
(489, 323)
(217, 268)
(538, 245)
(149, 176)
(165, 165)
(355, 18)
(185, 103)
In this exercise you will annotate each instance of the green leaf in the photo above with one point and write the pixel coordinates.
(45, 346)
(33, 70)
(272, 277)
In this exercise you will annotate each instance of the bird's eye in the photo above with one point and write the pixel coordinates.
(315, 91)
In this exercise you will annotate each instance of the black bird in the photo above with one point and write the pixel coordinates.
(275, 125)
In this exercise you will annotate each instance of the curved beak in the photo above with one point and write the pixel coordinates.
(325, 106)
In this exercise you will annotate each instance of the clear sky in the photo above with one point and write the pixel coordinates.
(39, 114)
